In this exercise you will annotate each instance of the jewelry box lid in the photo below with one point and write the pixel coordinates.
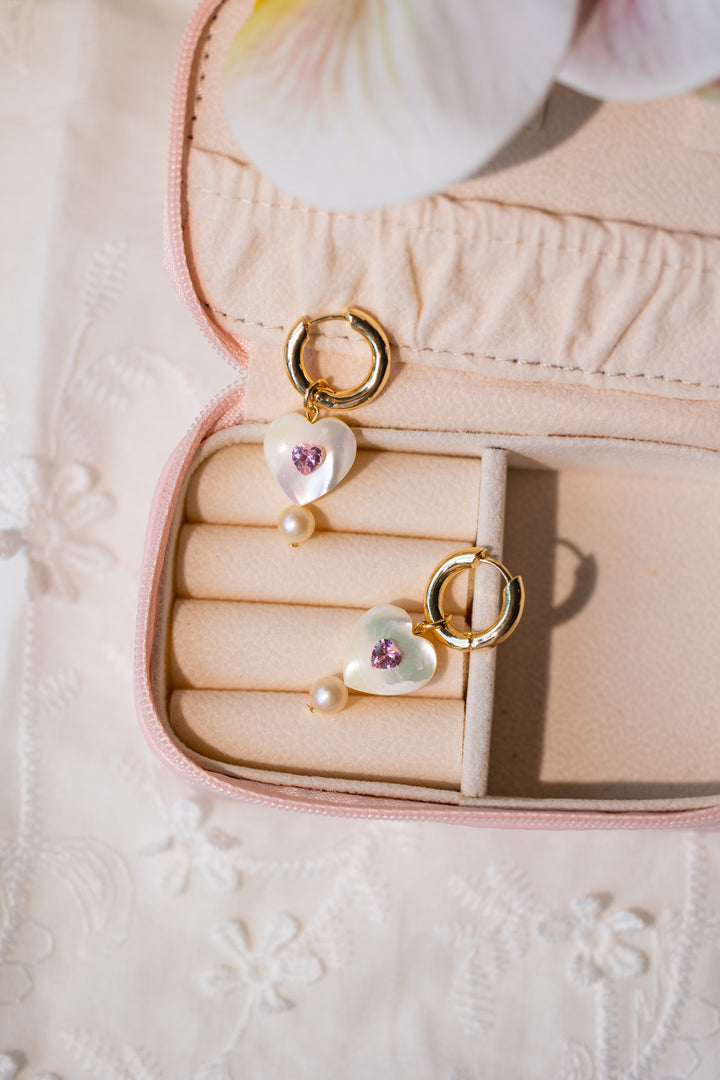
(585, 257)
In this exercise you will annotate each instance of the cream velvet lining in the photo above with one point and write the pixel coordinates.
(607, 694)
(299, 622)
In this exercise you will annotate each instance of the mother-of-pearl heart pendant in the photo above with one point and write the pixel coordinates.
(308, 460)
(387, 655)
(384, 656)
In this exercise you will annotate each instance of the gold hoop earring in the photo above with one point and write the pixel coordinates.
(308, 456)
(387, 655)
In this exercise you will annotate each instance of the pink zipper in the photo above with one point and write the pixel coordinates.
(226, 409)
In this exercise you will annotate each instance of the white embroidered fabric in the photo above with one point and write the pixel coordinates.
(148, 931)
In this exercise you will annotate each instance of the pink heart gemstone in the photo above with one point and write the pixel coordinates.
(385, 654)
(307, 458)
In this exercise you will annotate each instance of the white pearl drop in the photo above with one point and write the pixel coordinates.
(328, 695)
(296, 524)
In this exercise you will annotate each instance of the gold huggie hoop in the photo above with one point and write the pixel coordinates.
(318, 394)
(437, 621)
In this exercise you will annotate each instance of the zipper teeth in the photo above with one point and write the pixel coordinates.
(176, 264)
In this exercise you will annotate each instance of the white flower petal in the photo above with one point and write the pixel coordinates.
(586, 909)
(554, 928)
(23, 482)
(175, 879)
(11, 540)
(582, 969)
(70, 483)
(304, 968)
(380, 101)
(222, 980)
(231, 935)
(624, 962)
(220, 839)
(624, 922)
(219, 873)
(278, 932)
(187, 815)
(636, 50)
(87, 510)
(88, 556)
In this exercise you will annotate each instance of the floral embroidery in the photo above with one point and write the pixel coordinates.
(211, 851)
(503, 903)
(279, 958)
(33, 943)
(597, 951)
(49, 506)
(576, 1062)
(681, 1056)
(57, 692)
(98, 880)
(103, 1061)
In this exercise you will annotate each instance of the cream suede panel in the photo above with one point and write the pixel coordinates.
(419, 397)
(505, 291)
(379, 495)
(553, 452)
(610, 686)
(386, 739)
(654, 163)
(237, 646)
(234, 562)
(229, 645)
(480, 697)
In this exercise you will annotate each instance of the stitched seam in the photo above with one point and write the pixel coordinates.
(308, 210)
(574, 368)
(202, 70)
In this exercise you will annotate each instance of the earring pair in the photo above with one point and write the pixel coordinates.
(386, 655)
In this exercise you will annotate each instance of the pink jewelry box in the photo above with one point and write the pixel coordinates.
(556, 319)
